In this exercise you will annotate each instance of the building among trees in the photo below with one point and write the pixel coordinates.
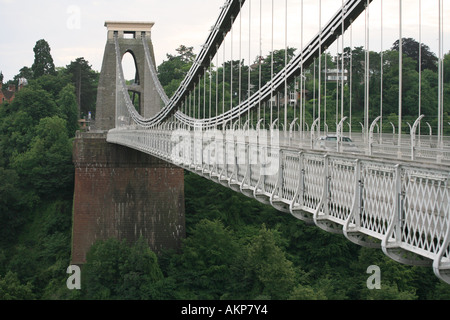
(8, 93)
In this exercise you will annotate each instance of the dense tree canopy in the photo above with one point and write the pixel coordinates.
(46, 167)
(172, 71)
(116, 270)
(36, 180)
(420, 53)
(236, 247)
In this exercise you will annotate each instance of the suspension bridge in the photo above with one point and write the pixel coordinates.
(299, 139)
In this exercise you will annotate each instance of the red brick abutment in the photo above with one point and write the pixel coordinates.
(124, 194)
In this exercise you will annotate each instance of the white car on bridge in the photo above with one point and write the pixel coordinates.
(329, 143)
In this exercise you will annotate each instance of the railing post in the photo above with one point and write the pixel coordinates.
(327, 195)
(399, 204)
(395, 224)
(278, 189)
(291, 130)
(393, 133)
(363, 133)
(359, 188)
(349, 129)
(326, 186)
(413, 136)
(352, 228)
(313, 128)
(441, 265)
(372, 127)
(301, 183)
(339, 131)
(248, 170)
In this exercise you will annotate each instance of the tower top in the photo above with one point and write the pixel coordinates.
(128, 28)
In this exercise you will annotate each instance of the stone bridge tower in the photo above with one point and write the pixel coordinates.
(120, 192)
(130, 36)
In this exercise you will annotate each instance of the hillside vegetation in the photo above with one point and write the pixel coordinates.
(236, 247)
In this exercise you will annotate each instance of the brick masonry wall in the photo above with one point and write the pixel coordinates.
(125, 194)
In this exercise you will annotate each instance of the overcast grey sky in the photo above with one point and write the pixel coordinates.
(75, 28)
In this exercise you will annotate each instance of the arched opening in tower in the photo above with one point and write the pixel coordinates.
(131, 75)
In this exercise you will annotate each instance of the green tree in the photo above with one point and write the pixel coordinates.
(10, 205)
(440, 292)
(116, 270)
(24, 72)
(16, 132)
(268, 273)
(172, 71)
(391, 84)
(279, 61)
(68, 106)
(46, 168)
(51, 83)
(447, 68)
(414, 50)
(396, 279)
(390, 291)
(12, 289)
(43, 61)
(207, 260)
(307, 293)
(36, 102)
(85, 81)
(42, 98)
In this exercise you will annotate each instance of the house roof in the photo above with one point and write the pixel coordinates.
(8, 95)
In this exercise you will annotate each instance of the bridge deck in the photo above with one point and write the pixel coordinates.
(401, 206)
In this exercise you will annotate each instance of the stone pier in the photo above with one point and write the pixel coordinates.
(124, 194)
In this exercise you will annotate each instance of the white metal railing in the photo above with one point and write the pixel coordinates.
(383, 190)
(400, 206)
